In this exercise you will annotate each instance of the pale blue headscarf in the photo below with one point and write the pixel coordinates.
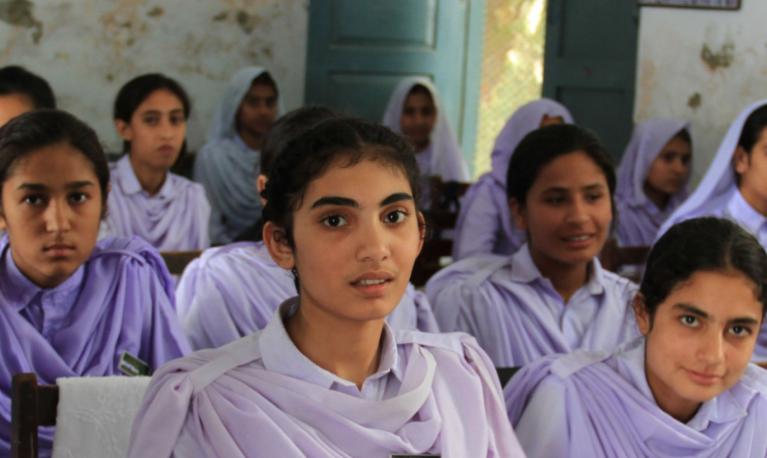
(228, 168)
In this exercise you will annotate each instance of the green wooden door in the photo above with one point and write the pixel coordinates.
(590, 64)
(359, 49)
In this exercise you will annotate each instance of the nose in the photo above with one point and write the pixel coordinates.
(711, 348)
(373, 245)
(57, 217)
(167, 129)
(577, 211)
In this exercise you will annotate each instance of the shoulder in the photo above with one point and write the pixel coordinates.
(755, 379)
(240, 255)
(472, 271)
(615, 284)
(186, 185)
(132, 248)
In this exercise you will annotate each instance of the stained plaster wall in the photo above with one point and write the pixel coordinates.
(88, 48)
(701, 65)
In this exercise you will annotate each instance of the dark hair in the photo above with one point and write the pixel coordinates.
(288, 127)
(420, 89)
(702, 244)
(266, 79)
(18, 80)
(135, 91)
(542, 146)
(38, 129)
(309, 155)
(683, 135)
(752, 128)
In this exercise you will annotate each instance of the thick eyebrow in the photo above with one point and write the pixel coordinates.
(692, 310)
(396, 197)
(346, 202)
(588, 187)
(335, 200)
(42, 187)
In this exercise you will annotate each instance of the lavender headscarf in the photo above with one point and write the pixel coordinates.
(228, 168)
(719, 183)
(484, 223)
(120, 300)
(637, 225)
(446, 157)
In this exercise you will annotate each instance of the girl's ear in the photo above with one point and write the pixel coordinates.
(124, 130)
(741, 160)
(640, 313)
(276, 242)
(421, 230)
(518, 214)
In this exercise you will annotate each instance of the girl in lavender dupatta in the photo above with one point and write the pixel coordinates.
(227, 163)
(686, 388)
(652, 179)
(147, 200)
(552, 295)
(328, 376)
(734, 184)
(234, 290)
(415, 111)
(70, 306)
(484, 223)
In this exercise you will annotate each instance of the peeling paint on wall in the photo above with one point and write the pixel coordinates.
(19, 13)
(720, 59)
(694, 100)
(90, 48)
(705, 66)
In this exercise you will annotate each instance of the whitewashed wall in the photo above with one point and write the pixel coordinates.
(701, 65)
(88, 48)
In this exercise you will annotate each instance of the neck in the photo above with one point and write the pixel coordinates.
(150, 179)
(420, 147)
(566, 278)
(757, 203)
(659, 198)
(349, 349)
(253, 141)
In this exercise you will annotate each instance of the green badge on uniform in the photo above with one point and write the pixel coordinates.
(132, 366)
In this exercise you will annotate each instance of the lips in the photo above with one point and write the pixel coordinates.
(703, 378)
(578, 240)
(58, 250)
(166, 149)
(372, 283)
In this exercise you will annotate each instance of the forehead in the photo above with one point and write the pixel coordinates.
(571, 170)
(677, 145)
(161, 100)
(367, 182)
(419, 98)
(722, 295)
(52, 165)
(264, 90)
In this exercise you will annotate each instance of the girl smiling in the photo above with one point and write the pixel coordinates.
(685, 388)
(552, 295)
(327, 376)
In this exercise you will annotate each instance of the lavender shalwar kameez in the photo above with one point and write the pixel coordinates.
(120, 300)
(516, 314)
(600, 405)
(260, 396)
(175, 219)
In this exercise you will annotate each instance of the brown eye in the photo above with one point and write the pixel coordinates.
(396, 216)
(334, 221)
